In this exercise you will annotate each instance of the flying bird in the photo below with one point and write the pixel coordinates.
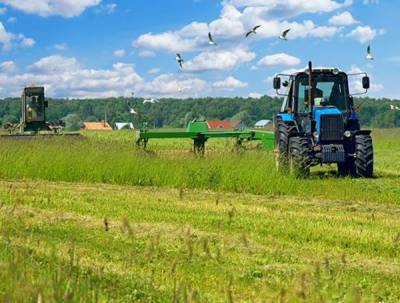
(369, 53)
(152, 101)
(179, 60)
(253, 31)
(284, 34)
(211, 40)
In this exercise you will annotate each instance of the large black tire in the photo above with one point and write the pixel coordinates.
(299, 157)
(282, 133)
(364, 161)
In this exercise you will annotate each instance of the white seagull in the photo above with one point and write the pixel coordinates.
(211, 40)
(284, 34)
(253, 31)
(152, 101)
(179, 60)
(369, 53)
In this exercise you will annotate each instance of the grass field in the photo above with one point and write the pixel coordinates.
(96, 220)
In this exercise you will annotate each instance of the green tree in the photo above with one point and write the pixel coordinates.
(72, 122)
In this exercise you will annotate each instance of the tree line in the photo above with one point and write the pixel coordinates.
(176, 113)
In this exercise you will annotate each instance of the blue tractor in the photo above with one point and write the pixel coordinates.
(318, 124)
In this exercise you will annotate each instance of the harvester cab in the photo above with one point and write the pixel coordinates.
(33, 110)
(318, 124)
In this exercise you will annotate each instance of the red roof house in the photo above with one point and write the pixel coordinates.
(223, 124)
(96, 126)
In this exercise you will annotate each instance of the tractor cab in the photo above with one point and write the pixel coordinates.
(319, 120)
(33, 109)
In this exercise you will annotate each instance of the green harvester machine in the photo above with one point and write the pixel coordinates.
(200, 133)
(33, 123)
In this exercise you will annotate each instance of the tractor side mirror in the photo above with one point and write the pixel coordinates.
(365, 82)
(277, 83)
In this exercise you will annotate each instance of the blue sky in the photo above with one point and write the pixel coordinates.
(101, 48)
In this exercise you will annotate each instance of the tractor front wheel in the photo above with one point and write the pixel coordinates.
(364, 161)
(299, 157)
(282, 133)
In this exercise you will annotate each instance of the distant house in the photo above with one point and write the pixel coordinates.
(97, 126)
(123, 125)
(263, 124)
(224, 124)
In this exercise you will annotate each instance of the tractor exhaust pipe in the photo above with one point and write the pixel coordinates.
(310, 86)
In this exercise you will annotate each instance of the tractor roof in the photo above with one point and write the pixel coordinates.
(319, 70)
(315, 70)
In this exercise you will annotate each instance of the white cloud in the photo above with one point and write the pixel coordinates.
(234, 21)
(109, 8)
(9, 40)
(343, 19)
(65, 77)
(169, 41)
(153, 71)
(27, 42)
(170, 85)
(255, 95)
(61, 46)
(355, 82)
(44, 8)
(229, 83)
(278, 9)
(280, 59)
(12, 20)
(219, 60)
(147, 54)
(8, 67)
(365, 33)
(119, 53)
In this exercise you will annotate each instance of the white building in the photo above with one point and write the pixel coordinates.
(123, 125)
(262, 123)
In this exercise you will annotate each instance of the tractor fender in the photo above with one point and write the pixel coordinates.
(285, 117)
(298, 134)
(362, 132)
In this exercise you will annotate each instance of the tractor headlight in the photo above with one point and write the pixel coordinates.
(347, 134)
(316, 134)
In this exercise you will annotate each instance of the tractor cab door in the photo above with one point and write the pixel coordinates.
(302, 108)
(287, 106)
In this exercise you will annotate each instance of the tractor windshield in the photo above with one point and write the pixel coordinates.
(329, 90)
(34, 108)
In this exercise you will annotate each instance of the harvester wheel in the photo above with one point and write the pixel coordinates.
(299, 157)
(364, 162)
(282, 133)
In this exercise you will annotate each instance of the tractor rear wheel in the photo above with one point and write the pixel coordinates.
(299, 157)
(364, 161)
(282, 132)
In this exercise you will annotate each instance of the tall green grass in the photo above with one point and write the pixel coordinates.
(115, 160)
(65, 242)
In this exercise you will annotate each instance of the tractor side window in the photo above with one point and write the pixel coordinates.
(302, 96)
(288, 101)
